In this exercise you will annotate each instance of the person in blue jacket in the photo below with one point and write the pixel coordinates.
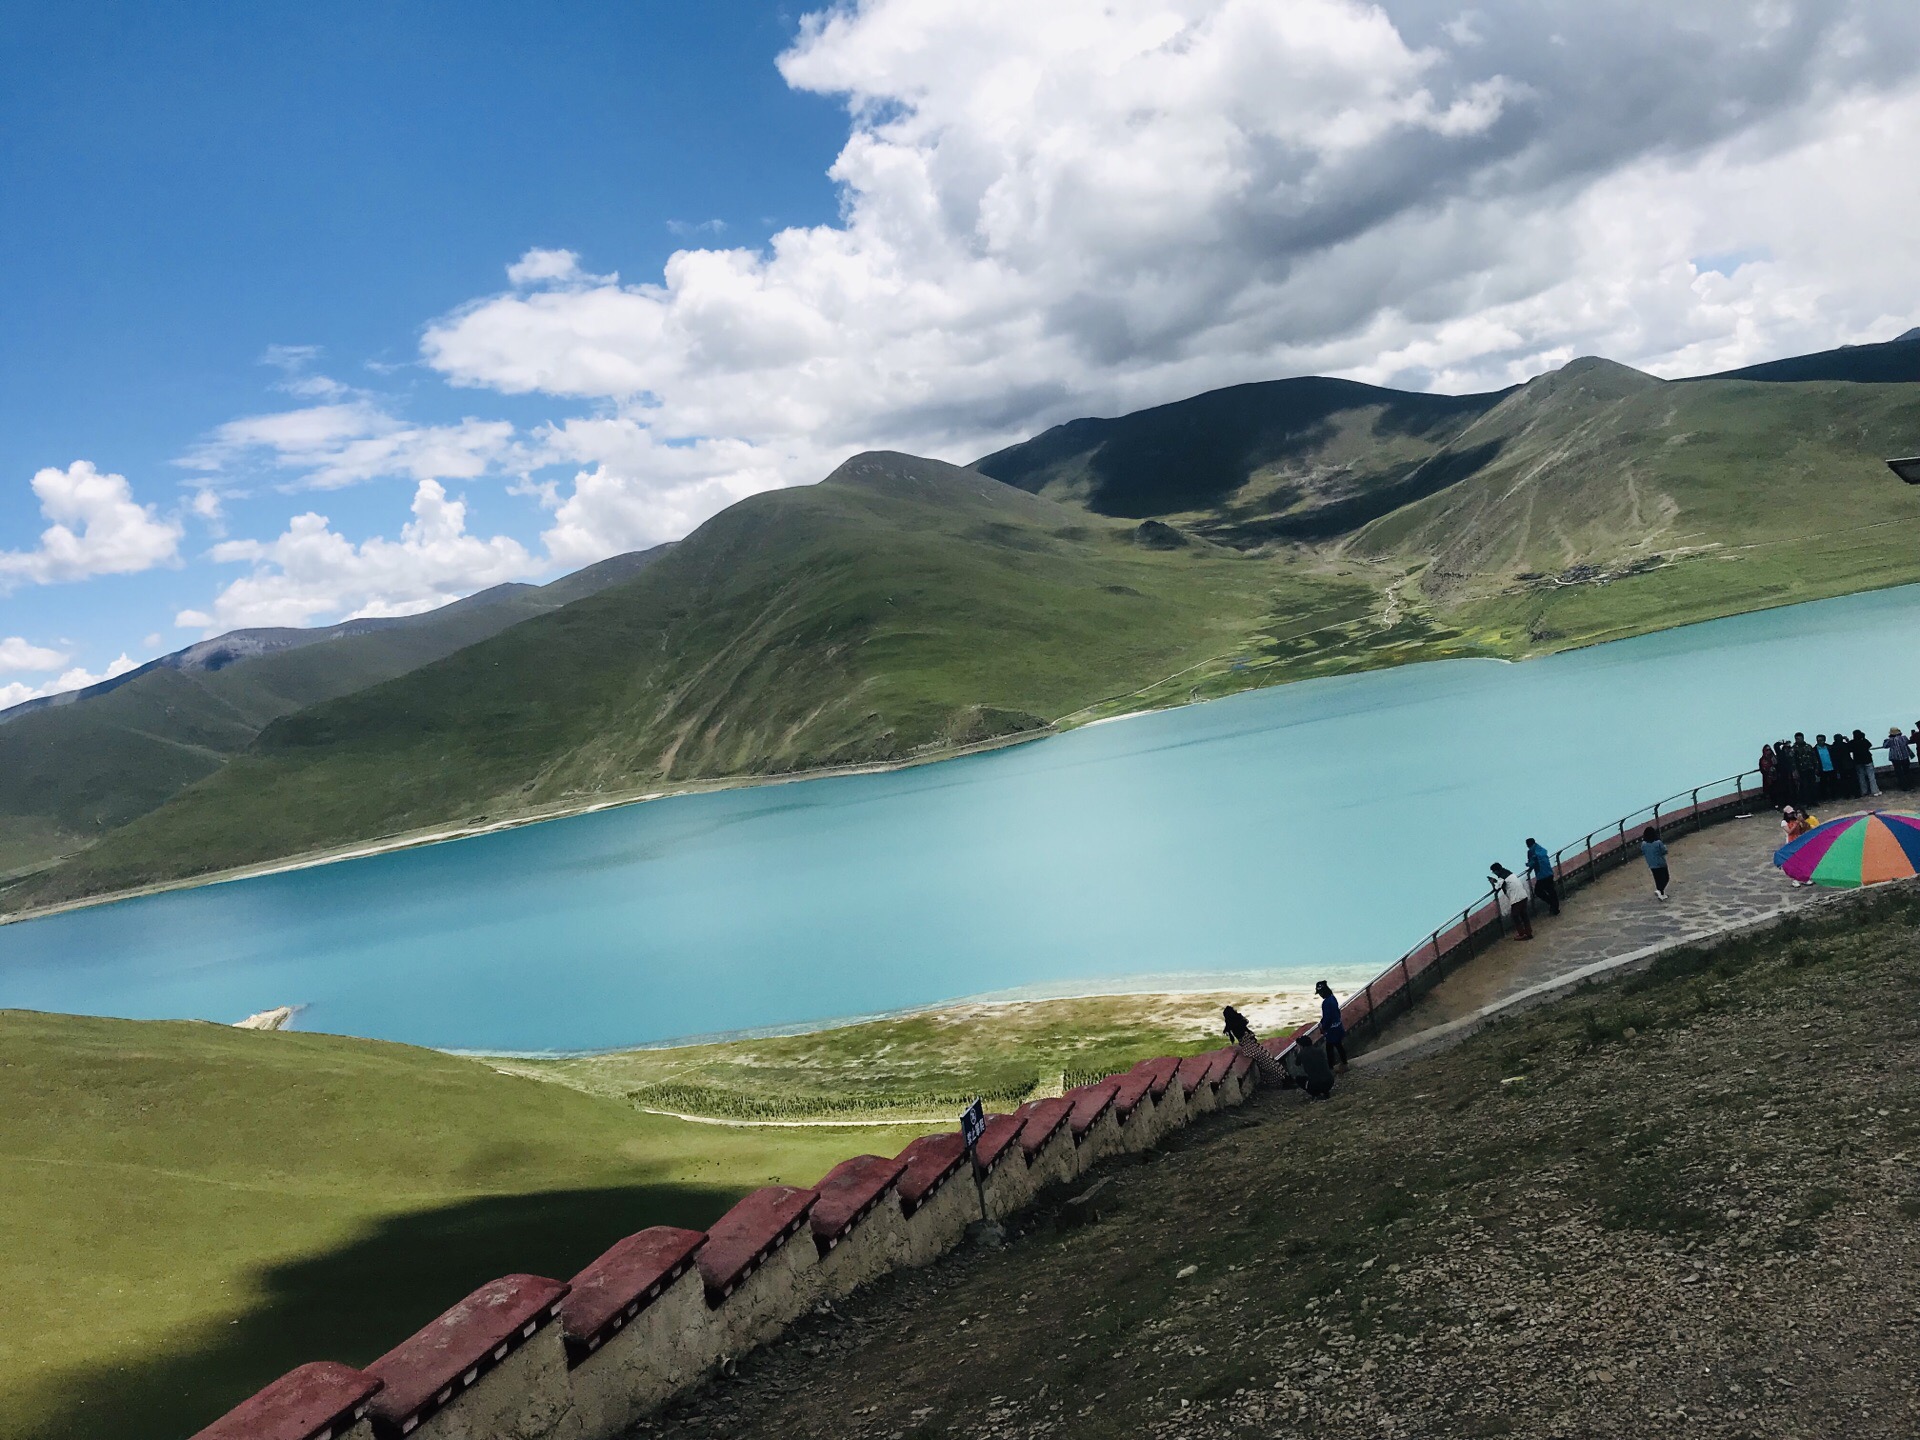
(1541, 864)
(1654, 851)
(1333, 1030)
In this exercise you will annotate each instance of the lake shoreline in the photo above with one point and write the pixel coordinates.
(419, 839)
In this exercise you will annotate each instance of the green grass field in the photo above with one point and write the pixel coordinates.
(189, 1211)
(925, 1065)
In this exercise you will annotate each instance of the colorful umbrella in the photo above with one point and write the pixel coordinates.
(1854, 850)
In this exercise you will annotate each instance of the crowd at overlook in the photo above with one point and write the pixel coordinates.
(1798, 773)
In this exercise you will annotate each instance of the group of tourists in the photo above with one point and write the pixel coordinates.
(1795, 774)
(1800, 773)
(1313, 1060)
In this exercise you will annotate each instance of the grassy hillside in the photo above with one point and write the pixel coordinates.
(900, 607)
(924, 1065)
(904, 607)
(1301, 459)
(73, 771)
(187, 1211)
(1617, 503)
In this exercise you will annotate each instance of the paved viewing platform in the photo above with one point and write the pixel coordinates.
(1723, 878)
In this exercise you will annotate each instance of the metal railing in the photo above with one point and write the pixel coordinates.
(1394, 990)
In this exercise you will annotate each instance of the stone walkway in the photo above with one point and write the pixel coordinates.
(1723, 879)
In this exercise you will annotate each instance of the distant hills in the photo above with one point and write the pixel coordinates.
(77, 765)
(903, 606)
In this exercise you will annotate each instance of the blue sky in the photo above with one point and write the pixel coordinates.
(496, 291)
(192, 185)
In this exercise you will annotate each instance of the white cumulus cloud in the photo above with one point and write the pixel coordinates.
(17, 654)
(78, 678)
(345, 442)
(98, 529)
(313, 574)
(1093, 205)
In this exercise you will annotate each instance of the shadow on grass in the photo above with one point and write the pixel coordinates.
(355, 1303)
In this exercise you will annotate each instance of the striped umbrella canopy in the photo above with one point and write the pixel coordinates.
(1855, 850)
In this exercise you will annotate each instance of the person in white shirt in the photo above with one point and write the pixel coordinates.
(1515, 897)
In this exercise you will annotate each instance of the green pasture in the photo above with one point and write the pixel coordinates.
(189, 1210)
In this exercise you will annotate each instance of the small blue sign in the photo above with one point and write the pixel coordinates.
(973, 1120)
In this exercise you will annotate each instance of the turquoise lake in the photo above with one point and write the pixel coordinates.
(1323, 826)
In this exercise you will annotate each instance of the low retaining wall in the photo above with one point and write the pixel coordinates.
(528, 1358)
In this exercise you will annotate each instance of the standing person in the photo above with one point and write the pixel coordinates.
(1333, 1029)
(1540, 867)
(1806, 765)
(1866, 773)
(1844, 778)
(1511, 894)
(1769, 769)
(1900, 754)
(1236, 1027)
(1829, 773)
(1797, 823)
(1654, 851)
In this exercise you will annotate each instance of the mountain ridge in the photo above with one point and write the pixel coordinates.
(904, 607)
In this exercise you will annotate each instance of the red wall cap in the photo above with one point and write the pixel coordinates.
(624, 1281)
(1135, 1086)
(748, 1233)
(315, 1402)
(1193, 1070)
(1162, 1071)
(1000, 1133)
(425, 1372)
(1043, 1118)
(848, 1192)
(1090, 1102)
(929, 1163)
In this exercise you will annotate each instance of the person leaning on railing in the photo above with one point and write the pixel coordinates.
(1511, 894)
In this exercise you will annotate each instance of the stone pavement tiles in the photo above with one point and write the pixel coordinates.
(1723, 877)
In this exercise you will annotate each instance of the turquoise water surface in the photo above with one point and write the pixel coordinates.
(1319, 826)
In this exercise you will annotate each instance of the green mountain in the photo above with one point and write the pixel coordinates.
(1594, 501)
(905, 607)
(75, 766)
(1615, 503)
(1303, 459)
(902, 607)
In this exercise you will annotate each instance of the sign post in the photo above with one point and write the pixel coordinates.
(973, 1120)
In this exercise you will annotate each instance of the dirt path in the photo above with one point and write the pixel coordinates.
(1656, 1209)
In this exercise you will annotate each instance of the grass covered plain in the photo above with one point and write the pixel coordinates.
(928, 1064)
(188, 1211)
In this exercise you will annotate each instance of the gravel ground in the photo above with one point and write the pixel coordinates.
(1682, 1203)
